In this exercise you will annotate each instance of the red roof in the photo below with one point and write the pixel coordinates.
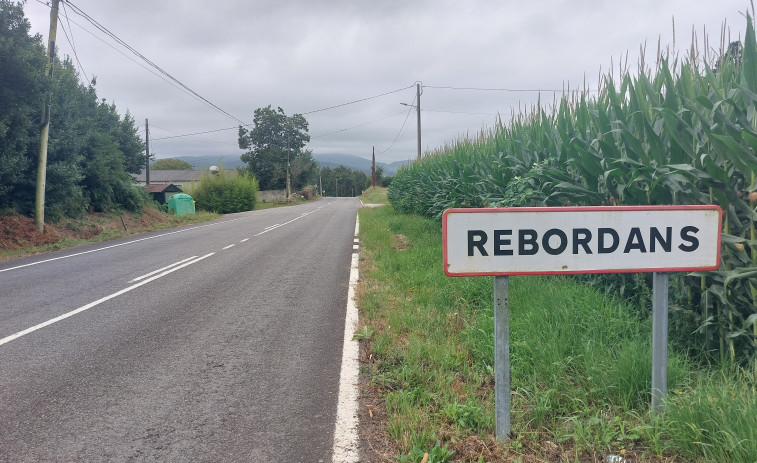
(161, 187)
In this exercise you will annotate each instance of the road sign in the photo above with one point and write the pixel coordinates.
(572, 240)
(569, 240)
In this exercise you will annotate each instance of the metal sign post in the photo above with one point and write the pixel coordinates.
(659, 341)
(576, 240)
(502, 356)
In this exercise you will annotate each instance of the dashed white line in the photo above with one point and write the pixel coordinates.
(244, 240)
(99, 301)
(227, 247)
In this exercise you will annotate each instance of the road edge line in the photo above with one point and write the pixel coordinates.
(345, 431)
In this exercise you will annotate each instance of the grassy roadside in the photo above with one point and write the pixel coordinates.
(580, 365)
(374, 195)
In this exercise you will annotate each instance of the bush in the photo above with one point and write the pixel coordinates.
(225, 194)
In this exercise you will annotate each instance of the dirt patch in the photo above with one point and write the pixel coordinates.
(17, 232)
(19, 235)
(400, 242)
(375, 444)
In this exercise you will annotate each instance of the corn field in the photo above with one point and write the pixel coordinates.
(683, 133)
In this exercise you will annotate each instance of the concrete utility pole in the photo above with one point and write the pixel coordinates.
(147, 151)
(39, 206)
(418, 97)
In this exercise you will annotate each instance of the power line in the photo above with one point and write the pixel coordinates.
(457, 112)
(442, 87)
(126, 56)
(194, 133)
(401, 128)
(118, 40)
(357, 101)
(356, 126)
(73, 44)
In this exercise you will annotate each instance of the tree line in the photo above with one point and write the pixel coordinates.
(92, 150)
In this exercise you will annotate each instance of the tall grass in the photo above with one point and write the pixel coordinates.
(580, 365)
(685, 133)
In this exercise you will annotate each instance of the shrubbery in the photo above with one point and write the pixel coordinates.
(225, 194)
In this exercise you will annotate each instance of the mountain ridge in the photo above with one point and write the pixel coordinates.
(330, 160)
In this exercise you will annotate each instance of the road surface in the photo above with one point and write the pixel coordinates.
(213, 342)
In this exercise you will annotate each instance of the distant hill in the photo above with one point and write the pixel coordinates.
(356, 163)
(324, 160)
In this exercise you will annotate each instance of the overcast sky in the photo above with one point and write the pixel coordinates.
(312, 54)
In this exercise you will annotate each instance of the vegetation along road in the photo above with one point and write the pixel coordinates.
(213, 342)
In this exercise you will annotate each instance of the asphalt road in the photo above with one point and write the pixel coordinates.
(231, 354)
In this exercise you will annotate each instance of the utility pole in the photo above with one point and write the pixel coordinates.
(418, 97)
(373, 169)
(288, 183)
(147, 151)
(39, 206)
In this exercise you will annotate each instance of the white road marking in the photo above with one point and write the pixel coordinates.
(227, 247)
(97, 302)
(345, 432)
(117, 245)
(274, 227)
(161, 269)
(244, 240)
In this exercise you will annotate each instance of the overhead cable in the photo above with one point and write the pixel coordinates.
(410, 109)
(443, 87)
(73, 44)
(357, 101)
(118, 40)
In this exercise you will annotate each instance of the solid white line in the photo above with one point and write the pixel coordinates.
(161, 269)
(97, 302)
(120, 244)
(345, 432)
(227, 247)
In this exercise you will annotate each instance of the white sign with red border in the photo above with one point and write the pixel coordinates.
(573, 240)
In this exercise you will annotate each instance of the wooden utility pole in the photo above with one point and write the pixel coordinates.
(147, 152)
(288, 182)
(373, 169)
(39, 206)
(418, 97)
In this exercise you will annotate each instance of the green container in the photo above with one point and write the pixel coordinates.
(181, 203)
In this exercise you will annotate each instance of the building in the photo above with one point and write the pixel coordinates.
(177, 177)
(162, 192)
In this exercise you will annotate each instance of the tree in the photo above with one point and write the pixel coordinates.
(171, 164)
(91, 150)
(275, 141)
(22, 85)
(342, 181)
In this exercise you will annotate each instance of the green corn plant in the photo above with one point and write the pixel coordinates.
(685, 134)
